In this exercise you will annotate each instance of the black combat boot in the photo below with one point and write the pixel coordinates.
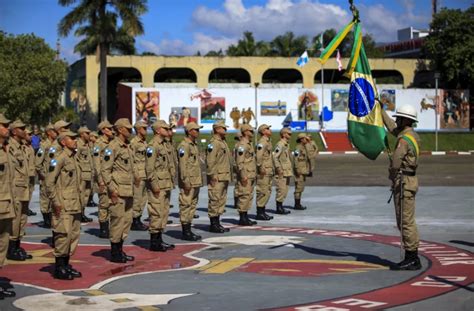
(104, 230)
(70, 269)
(137, 225)
(280, 210)
(13, 253)
(188, 235)
(4, 293)
(127, 257)
(298, 205)
(195, 216)
(156, 243)
(214, 227)
(221, 226)
(30, 213)
(411, 262)
(22, 251)
(244, 219)
(47, 220)
(253, 222)
(261, 215)
(116, 253)
(85, 219)
(60, 270)
(91, 202)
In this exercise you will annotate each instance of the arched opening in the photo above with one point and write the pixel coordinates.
(387, 76)
(229, 75)
(331, 76)
(282, 76)
(114, 76)
(175, 75)
(424, 79)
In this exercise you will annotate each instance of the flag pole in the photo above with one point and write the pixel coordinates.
(322, 87)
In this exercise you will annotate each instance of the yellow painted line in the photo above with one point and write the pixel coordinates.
(349, 262)
(121, 300)
(95, 292)
(228, 265)
(148, 308)
(209, 265)
(283, 270)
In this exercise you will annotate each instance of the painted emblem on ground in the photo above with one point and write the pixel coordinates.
(449, 267)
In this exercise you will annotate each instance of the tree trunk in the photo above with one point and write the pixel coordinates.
(103, 81)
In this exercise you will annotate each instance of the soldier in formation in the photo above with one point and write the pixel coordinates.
(84, 159)
(139, 145)
(265, 171)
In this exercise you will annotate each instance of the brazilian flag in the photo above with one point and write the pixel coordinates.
(364, 120)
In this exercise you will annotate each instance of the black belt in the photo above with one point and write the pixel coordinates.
(406, 173)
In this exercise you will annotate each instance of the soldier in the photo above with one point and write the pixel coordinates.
(283, 168)
(246, 164)
(237, 137)
(84, 159)
(106, 135)
(139, 145)
(160, 182)
(312, 150)
(7, 208)
(63, 185)
(219, 174)
(174, 156)
(21, 193)
(264, 171)
(402, 173)
(119, 178)
(302, 165)
(41, 165)
(189, 179)
(30, 156)
(93, 136)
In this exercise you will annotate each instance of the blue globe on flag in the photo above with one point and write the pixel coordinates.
(361, 97)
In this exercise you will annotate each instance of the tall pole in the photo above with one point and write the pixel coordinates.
(256, 84)
(322, 86)
(436, 109)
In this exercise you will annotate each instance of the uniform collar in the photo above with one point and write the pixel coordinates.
(120, 142)
(159, 139)
(189, 140)
(69, 152)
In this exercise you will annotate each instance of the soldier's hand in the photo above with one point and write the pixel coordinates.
(279, 172)
(137, 181)
(262, 172)
(213, 181)
(57, 210)
(310, 174)
(101, 188)
(244, 181)
(156, 192)
(40, 176)
(114, 197)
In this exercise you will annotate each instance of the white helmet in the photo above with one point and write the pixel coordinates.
(407, 111)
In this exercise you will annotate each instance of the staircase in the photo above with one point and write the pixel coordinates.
(337, 141)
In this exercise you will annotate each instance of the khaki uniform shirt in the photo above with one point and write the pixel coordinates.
(117, 168)
(84, 159)
(173, 157)
(42, 158)
(63, 182)
(21, 179)
(405, 157)
(139, 146)
(264, 156)
(219, 159)
(30, 156)
(158, 165)
(7, 209)
(97, 155)
(189, 174)
(312, 150)
(301, 160)
(245, 159)
(282, 158)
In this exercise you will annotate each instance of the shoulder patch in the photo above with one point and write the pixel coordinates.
(96, 151)
(181, 152)
(52, 152)
(40, 151)
(241, 150)
(296, 153)
(259, 146)
(107, 154)
(149, 151)
(277, 149)
(210, 147)
(52, 164)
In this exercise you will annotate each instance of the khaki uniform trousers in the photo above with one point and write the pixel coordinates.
(410, 230)
(45, 204)
(67, 229)
(120, 219)
(5, 231)
(187, 204)
(31, 186)
(86, 186)
(245, 198)
(264, 189)
(20, 220)
(158, 210)
(104, 205)
(217, 198)
(299, 186)
(139, 199)
(282, 186)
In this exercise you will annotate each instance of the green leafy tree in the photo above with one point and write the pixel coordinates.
(247, 46)
(288, 45)
(32, 80)
(450, 46)
(98, 22)
(215, 53)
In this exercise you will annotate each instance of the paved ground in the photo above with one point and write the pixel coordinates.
(333, 255)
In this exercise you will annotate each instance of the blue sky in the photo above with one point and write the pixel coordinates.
(182, 27)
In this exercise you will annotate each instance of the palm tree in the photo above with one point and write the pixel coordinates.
(97, 21)
(288, 45)
(248, 47)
